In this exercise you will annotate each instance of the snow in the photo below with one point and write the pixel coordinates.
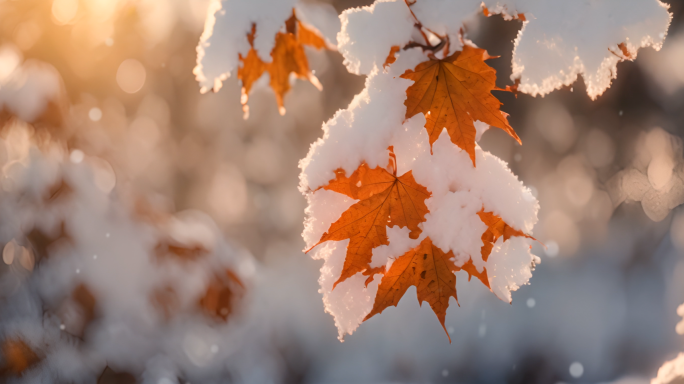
(671, 372)
(351, 301)
(368, 34)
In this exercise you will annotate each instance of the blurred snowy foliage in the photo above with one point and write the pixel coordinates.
(97, 278)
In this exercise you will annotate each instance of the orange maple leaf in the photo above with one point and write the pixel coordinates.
(306, 36)
(431, 270)
(472, 271)
(287, 56)
(18, 357)
(391, 58)
(385, 201)
(222, 294)
(454, 92)
(496, 228)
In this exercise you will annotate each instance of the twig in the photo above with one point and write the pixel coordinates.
(443, 40)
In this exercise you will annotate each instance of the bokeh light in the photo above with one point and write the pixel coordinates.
(64, 11)
(131, 75)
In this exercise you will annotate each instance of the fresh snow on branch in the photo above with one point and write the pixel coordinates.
(559, 40)
(563, 39)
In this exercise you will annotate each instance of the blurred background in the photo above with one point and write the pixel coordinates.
(609, 174)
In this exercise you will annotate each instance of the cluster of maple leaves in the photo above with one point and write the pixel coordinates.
(386, 200)
(287, 56)
(452, 93)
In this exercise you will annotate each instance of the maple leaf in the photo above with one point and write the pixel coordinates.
(306, 36)
(288, 57)
(385, 201)
(472, 271)
(371, 272)
(496, 228)
(431, 271)
(171, 249)
(221, 295)
(454, 92)
(391, 58)
(18, 357)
